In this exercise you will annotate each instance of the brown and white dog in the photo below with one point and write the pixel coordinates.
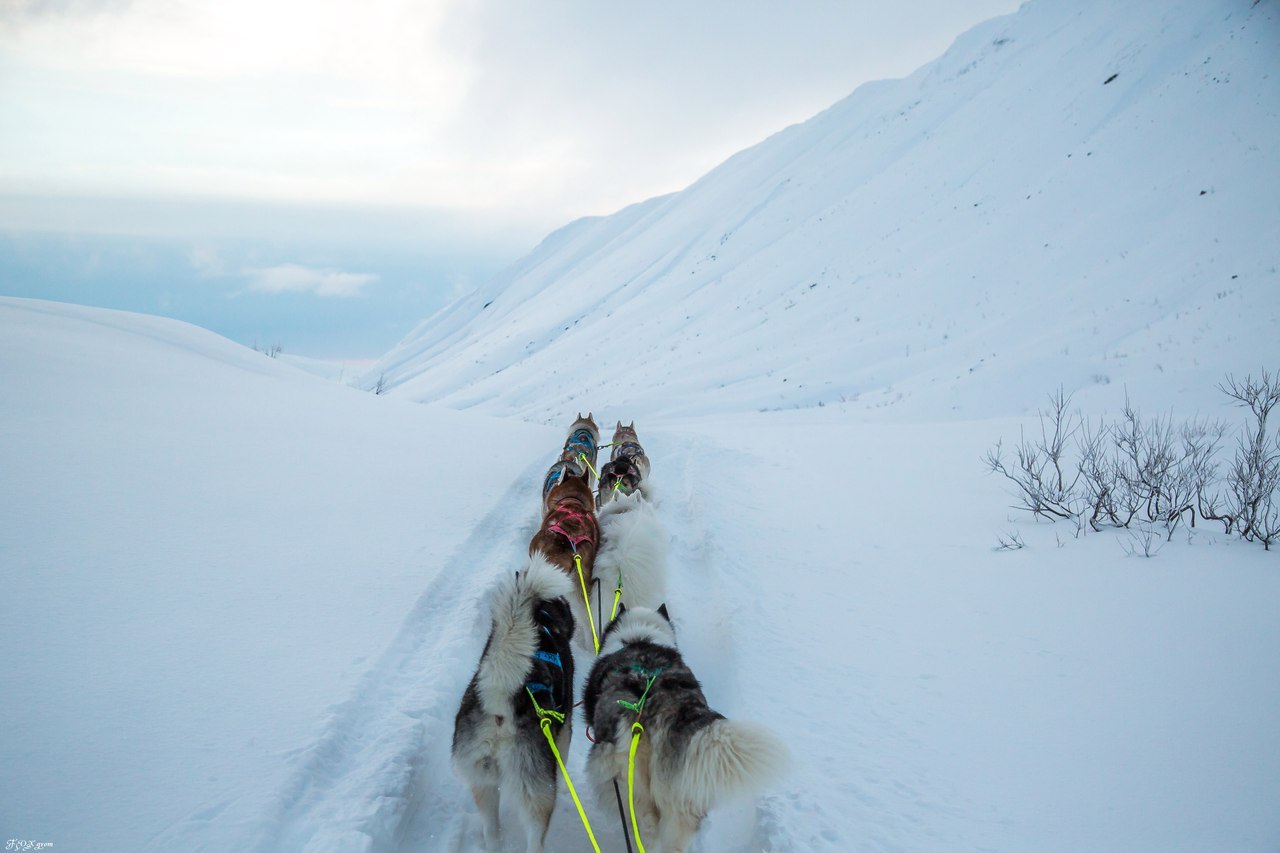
(569, 536)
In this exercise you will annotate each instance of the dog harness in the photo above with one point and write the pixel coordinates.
(579, 442)
(563, 513)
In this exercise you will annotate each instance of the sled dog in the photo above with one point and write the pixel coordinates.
(633, 554)
(627, 470)
(498, 744)
(578, 458)
(570, 530)
(689, 758)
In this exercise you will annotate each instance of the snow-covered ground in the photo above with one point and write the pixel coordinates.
(240, 602)
(241, 605)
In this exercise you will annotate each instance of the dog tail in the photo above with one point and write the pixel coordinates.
(506, 662)
(634, 551)
(726, 759)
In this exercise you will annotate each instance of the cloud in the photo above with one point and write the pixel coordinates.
(534, 112)
(206, 261)
(295, 278)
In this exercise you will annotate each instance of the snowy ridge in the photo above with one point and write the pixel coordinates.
(1115, 158)
(241, 604)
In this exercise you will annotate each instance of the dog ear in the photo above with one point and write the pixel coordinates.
(662, 611)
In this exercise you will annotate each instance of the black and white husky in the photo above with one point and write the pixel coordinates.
(498, 743)
(689, 758)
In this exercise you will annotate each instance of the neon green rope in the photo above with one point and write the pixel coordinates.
(541, 711)
(638, 705)
(587, 462)
(544, 722)
(636, 729)
(617, 596)
(577, 561)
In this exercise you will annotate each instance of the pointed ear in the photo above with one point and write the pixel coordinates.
(633, 425)
(662, 611)
(619, 426)
(622, 608)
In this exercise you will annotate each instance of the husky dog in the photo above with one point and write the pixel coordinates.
(627, 468)
(569, 537)
(498, 743)
(689, 758)
(633, 553)
(578, 458)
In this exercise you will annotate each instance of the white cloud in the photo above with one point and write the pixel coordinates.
(295, 278)
(206, 261)
(541, 111)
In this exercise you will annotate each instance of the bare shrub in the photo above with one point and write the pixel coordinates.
(1254, 474)
(1046, 490)
(1150, 472)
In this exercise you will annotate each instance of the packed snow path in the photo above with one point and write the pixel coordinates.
(208, 549)
(910, 683)
(379, 778)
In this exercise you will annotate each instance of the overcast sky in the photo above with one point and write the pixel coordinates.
(482, 122)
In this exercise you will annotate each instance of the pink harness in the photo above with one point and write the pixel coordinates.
(564, 513)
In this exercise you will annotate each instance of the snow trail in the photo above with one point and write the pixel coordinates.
(360, 786)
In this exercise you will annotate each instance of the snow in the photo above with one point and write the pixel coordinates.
(938, 244)
(241, 602)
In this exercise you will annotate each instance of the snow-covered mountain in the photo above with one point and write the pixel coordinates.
(240, 604)
(1055, 195)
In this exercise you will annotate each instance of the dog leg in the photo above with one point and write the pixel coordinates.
(647, 813)
(676, 830)
(486, 797)
(537, 802)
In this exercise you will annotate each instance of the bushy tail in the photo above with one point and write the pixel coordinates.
(506, 662)
(633, 546)
(725, 759)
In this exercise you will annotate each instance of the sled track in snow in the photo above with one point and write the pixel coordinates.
(361, 784)
(378, 779)
(707, 603)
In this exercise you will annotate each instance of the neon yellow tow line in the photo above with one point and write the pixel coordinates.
(544, 722)
(617, 596)
(586, 601)
(636, 729)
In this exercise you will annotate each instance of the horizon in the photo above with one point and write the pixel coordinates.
(326, 179)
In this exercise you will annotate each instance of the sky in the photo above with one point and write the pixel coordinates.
(323, 175)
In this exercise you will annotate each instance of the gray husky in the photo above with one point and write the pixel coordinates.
(689, 758)
(498, 743)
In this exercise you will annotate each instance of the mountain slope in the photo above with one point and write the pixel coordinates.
(1050, 196)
